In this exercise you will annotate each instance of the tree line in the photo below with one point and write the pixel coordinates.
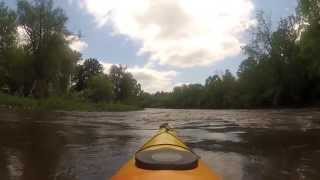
(36, 60)
(282, 68)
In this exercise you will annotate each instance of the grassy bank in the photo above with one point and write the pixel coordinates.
(63, 104)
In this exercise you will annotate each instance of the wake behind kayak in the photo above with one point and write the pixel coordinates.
(165, 157)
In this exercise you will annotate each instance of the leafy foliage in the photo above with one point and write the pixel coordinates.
(91, 67)
(126, 88)
(53, 61)
(7, 27)
(99, 89)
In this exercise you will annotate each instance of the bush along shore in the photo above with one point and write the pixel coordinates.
(61, 104)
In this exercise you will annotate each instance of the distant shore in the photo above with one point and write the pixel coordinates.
(61, 104)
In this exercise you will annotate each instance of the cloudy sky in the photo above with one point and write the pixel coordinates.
(167, 42)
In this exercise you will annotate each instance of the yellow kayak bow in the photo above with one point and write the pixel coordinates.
(165, 157)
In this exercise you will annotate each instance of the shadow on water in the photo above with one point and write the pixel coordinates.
(4, 170)
(270, 155)
(263, 152)
(32, 150)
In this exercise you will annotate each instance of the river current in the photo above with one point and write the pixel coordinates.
(237, 144)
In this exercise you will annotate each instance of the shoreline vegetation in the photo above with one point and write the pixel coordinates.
(40, 71)
(72, 104)
(61, 104)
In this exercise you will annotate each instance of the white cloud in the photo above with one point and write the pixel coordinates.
(76, 44)
(106, 67)
(153, 80)
(180, 33)
(150, 79)
(181, 84)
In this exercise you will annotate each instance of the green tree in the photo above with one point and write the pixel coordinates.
(259, 46)
(229, 87)
(7, 39)
(7, 28)
(49, 51)
(19, 72)
(273, 58)
(288, 70)
(187, 96)
(126, 88)
(100, 89)
(309, 10)
(91, 67)
(220, 91)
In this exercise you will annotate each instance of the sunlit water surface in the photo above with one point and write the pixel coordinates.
(238, 144)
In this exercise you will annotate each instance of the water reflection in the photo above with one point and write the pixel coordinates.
(237, 144)
(270, 154)
(231, 164)
(4, 164)
(32, 148)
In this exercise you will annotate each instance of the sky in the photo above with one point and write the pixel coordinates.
(165, 43)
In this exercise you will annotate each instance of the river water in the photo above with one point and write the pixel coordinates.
(237, 144)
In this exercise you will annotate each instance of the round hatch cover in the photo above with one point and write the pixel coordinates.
(166, 159)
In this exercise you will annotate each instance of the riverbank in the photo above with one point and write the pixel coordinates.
(59, 103)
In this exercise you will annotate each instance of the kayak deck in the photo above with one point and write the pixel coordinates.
(131, 172)
(166, 138)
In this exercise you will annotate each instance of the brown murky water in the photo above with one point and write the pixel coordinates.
(238, 144)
